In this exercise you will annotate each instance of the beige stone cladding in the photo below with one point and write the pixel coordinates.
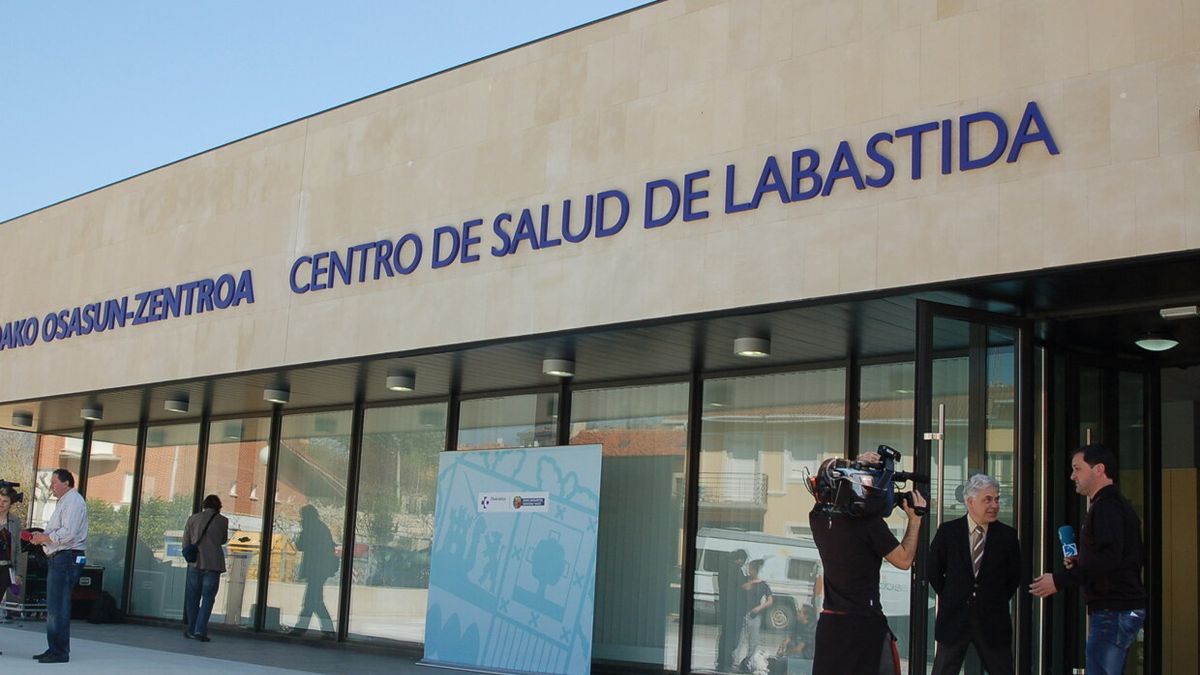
(675, 88)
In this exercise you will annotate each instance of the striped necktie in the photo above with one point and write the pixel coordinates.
(977, 548)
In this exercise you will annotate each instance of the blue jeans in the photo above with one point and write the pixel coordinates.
(1109, 637)
(61, 578)
(198, 599)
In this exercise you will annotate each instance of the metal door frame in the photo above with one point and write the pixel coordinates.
(1023, 434)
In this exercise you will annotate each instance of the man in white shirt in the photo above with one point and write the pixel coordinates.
(64, 541)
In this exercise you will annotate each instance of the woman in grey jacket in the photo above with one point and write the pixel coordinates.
(209, 530)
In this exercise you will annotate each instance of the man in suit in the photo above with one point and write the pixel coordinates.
(975, 567)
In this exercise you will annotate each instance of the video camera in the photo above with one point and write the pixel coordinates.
(14, 486)
(864, 489)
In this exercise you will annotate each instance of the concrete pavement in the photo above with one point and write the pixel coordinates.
(131, 648)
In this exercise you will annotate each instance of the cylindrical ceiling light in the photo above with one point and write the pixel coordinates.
(558, 367)
(92, 411)
(752, 347)
(22, 418)
(401, 380)
(278, 393)
(177, 403)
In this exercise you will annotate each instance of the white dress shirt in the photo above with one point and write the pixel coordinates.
(68, 525)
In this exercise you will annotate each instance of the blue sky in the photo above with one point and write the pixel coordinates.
(94, 92)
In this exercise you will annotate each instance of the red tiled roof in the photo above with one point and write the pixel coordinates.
(635, 442)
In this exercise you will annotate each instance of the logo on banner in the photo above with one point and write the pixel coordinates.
(512, 502)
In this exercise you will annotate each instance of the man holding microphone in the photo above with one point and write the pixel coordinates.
(1108, 566)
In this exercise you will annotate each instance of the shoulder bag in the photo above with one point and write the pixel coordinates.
(191, 552)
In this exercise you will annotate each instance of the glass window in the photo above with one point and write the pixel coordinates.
(886, 406)
(521, 421)
(113, 459)
(17, 452)
(236, 472)
(758, 436)
(168, 484)
(53, 452)
(886, 410)
(310, 510)
(1131, 441)
(1131, 475)
(640, 547)
(394, 523)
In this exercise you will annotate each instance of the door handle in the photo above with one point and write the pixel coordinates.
(940, 437)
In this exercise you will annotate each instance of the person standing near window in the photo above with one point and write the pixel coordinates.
(975, 567)
(758, 600)
(1109, 564)
(12, 568)
(64, 540)
(318, 564)
(208, 530)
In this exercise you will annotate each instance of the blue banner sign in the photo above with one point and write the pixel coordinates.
(512, 575)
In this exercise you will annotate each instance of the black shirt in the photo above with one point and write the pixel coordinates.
(852, 550)
(1109, 566)
(756, 594)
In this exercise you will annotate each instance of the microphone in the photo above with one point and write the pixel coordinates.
(1066, 536)
(26, 535)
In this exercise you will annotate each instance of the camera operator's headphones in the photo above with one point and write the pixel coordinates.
(839, 486)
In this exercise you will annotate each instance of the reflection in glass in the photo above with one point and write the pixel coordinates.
(886, 411)
(236, 473)
(885, 408)
(1000, 418)
(109, 492)
(644, 434)
(759, 436)
(310, 507)
(168, 481)
(1131, 462)
(52, 452)
(394, 521)
(17, 452)
(980, 426)
(521, 421)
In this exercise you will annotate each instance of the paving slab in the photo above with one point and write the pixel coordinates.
(134, 648)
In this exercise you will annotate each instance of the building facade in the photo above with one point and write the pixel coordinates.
(725, 240)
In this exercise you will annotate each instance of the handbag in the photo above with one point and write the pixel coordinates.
(191, 552)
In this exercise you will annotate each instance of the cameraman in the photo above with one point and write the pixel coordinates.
(853, 636)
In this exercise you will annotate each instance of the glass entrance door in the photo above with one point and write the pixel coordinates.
(973, 370)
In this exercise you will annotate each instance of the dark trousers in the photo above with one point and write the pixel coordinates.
(198, 599)
(997, 659)
(731, 635)
(854, 644)
(61, 578)
(314, 603)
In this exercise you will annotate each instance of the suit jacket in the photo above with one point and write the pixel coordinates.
(959, 592)
(212, 556)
